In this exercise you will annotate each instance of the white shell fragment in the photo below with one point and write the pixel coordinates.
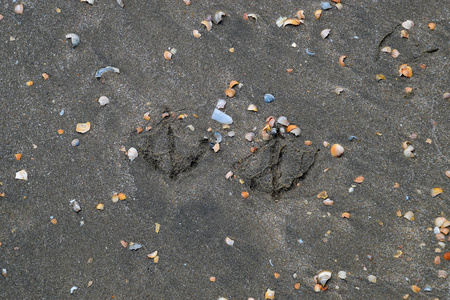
(323, 277)
(74, 38)
(120, 2)
(408, 24)
(4, 272)
(22, 175)
(408, 152)
(283, 121)
(134, 246)
(73, 289)
(249, 136)
(218, 17)
(229, 241)
(372, 279)
(342, 275)
(221, 117)
(221, 104)
(280, 21)
(76, 205)
(100, 71)
(296, 131)
(229, 175)
(103, 100)
(409, 216)
(132, 153)
(88, 1)
(324, 33)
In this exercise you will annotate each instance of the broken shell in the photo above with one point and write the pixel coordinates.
(436, 191)
(409, 216)
(324, 33)
(103, 100)
(230, 93)
(100, 206)
(326, 144)
(132, 153)
(432, 26)
(359, 179)
(153, 254)
(398, 254)
(405, 70)
(74, 38)
(208, 24)
(4, 272)
(245, 194)
(338, 5)
(341, 60)
(75, 142)
(100, 71)
(268, 98)
(147, 116)
(325, 5)
(386, 49)
(76, 205)
(308, 143)
(406, 144)
(221, 104)
(270, 121)
(229, 175)
(221, 117)
(405, 34)
(88, 1)
(187, 2)
(290, 128)
(342, 275)
(296, 131)
(317, 288)
(265, 135)
(280, 21)
(337, 150)
(233, 83)
(22, 175)
(345, 215)
(293, 22)
(408, 24)
(229, 241)
(196, 33)
(299, 15)
(252, 107)
(18, 156)
(122, 196)
(218, 17)
(317, 14)
(124, 244)
(83, 127)
(249, 136)
(216, 147)
(447, 173)
(120, 2)
(372, 279)
(29, 83)
(442, 274)
(328, 202)
(322, 195)
(439, 221)
(45, 76)
(283, 121)
(415, 288)
(167, 55)
(18, 9)
(254, 16)
(395, 53)
(408, 152)
(323, 277)
(269, 294)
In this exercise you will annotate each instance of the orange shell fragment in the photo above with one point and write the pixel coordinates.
(293, 22)
(322, 195)
(405, 70)
(122, 196)
(436, 191)
(230, 93)
(359, 179)
(341, 60)
(245, 194)
(18, 156)
(290, 127)
(233, 83)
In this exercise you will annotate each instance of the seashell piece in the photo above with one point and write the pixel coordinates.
(283, 121)
(229, 175)
(408, 152)
(18, 9)
(404, 34)
(432, 26)
(395, 53)
(408, 24)
(296, 131)
(22, 175)
(372, 279)
(280, 21)
(341, 60)
(196, 33)
(76, 206)
(75, 142)
(153, 254)
(45, 76)
(342, 275)
(293, 22)
(187, 2)
(100, 206)
(252, 107)
(245, 194)
(249, 136)
(4, 272)
(447, 173)
(290, 128)
(439, 221)
(83, 127)
(221, 117)
(380, 77)
(132, 153)
(74, 38)
(405, 70)
(268, 98)
(324, 33)
(409, 216)
(386, 49)
(359, 179)
(230, 93)
(322, 195)
(317, 14)
(218, 17)
(221, 104)
(345, 215)
(436, 191)
(339, 5)
(265, 136)
(325, 5)
(415, 288)
(88, 1)
(229, 241)
(218, 137)
(328, 202)
(337, 150)
(103, 100)
(233, 83)
(100, 71)
(120, 2)
(208, 24)
(442, 274)
(167, 55)
(300, 15)
(270, 121)
(147, 116)
(269, 294)
(254, 16)
(323, 277)
(18, 156)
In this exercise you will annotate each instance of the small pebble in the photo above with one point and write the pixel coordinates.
(75, 142)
